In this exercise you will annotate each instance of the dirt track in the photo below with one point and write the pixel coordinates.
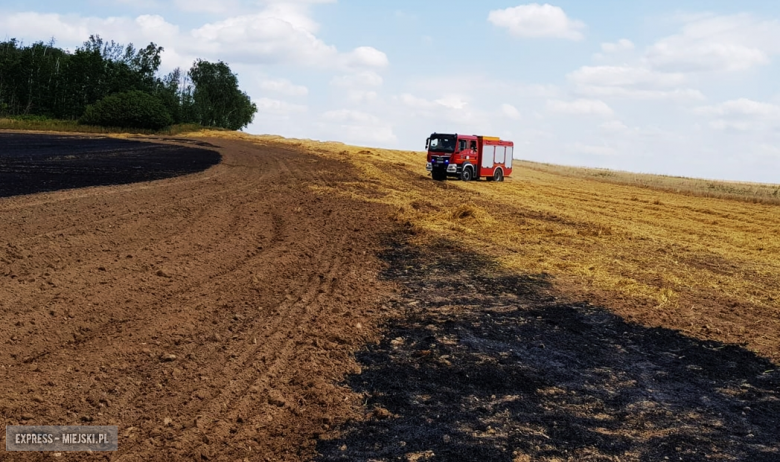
(208, 316)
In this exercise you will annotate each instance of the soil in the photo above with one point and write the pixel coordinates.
(241, 313)
(210, 316)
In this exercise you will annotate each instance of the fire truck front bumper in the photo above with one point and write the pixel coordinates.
(438, 167)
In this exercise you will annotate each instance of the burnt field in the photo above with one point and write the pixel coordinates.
(32, 163)
(480, 364)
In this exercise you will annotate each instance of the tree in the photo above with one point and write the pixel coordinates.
(43, 80)
(217, 101)
(132, 109)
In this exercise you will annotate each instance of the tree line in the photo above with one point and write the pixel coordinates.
(101, 81)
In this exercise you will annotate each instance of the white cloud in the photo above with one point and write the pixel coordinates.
(631, 82)
(624, 76)
(735, 125)
(349, 115)
(452, 110)
(616, 47)
(71, 29)
(614, 126)
(580, 107)
(416, 102)
(717, 43)
(279, 33)
(741, 115)
(357, 126)
(591, 149)
(206, 6)
(683, 94)
(359, 86)
(705, 56)
(278, 107)
(510, 111)
(360, 79)
(769, 150)
(366, 57)
(740, 107)
(484, 84)
(535, 20)
(284, 87)
(445, 102)
(140, 3)
(362, 96)
(404, 16)
(267, 38)
(452, 102)
(617, 130)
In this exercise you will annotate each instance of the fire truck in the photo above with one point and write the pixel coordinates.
(468, 157)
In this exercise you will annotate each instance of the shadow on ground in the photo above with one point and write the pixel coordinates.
(485, 366)
(32, 163)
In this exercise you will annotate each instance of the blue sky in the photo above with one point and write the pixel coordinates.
(675, 87)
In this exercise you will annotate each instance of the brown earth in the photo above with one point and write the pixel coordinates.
(209, 316)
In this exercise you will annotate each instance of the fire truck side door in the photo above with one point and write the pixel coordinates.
(487, 156)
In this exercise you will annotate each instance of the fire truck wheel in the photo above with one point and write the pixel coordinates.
(467, 174)
(498, 175)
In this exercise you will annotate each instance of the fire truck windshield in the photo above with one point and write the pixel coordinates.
(442, 143)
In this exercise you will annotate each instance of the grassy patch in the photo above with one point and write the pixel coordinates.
(744, 191)
(38, 123)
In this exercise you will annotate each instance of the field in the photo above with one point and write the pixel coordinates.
(748, 192)
(305, 300)
(709, 267)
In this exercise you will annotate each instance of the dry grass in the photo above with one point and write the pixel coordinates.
(72, 126)
(749, 192)
(709, 267)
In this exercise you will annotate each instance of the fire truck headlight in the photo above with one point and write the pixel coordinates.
(428, 166)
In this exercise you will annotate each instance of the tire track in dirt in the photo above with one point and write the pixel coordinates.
(298, 314)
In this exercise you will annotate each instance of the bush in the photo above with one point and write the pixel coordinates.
(132, 109)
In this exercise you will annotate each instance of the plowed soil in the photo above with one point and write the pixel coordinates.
(209, 316)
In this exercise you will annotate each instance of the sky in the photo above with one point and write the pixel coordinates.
(685, 87)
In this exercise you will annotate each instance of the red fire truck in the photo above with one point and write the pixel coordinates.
(469, 157)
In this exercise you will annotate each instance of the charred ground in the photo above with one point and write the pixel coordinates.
(32, 163)
(480, 365)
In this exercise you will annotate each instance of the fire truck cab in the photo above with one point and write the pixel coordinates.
(468, 157)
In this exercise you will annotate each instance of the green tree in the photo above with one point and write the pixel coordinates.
(41, 80)
(132, 109)
(216, 99)
(168, 92)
